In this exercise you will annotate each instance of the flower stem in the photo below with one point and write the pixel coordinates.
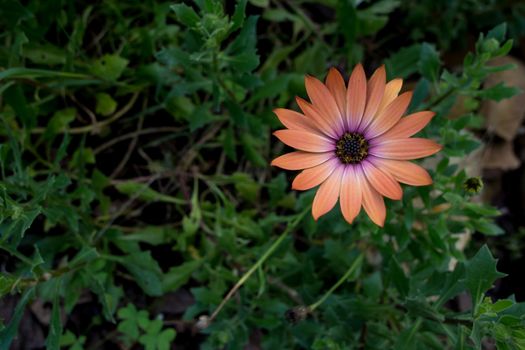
(355, 265)
(259, 262)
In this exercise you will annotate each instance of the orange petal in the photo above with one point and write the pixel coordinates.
(328, 193)
(351, 194)
(392, 89)
(407, 126)
(305, 141)
(296, 121)
(314, 176)
(336, 84)
(405, 171)
(373, 203)
(324, 124)
(324, 102)
(405, 149)
(355, 98)
(383, 182)
(301, 160)
(375, 90)
(389, 116)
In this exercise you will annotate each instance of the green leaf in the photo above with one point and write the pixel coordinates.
(16, 230)
(397, 276)
(404, 62)
(59, 122)
(260, 3)
(6, 284)
(146, 272)
(200, 117)
(106, 105)
(55, 327)
(8, 333)
(498, 32)
(453, 285)
(108, 296)
(186, 15)
(244, 62)
(14, 96)
(247, 38)
(47, 54)
(177, 276)
(246, 186)
(499, 92)
(144, 192)
(429, 63)
(153, 235)
(238, 15)
(481, 273)
(165, 338)
(85, 255)
(109, 67)
(487, 227)
(228, 143)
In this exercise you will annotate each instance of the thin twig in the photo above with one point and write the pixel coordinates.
(255, 266)
(92, 127)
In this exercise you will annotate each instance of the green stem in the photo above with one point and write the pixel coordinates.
(259, 262)
(357, 262)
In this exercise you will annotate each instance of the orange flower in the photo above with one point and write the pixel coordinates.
(354, 143)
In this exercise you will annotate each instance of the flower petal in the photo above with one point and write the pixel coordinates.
(405, 149)
(301, 160)
(324, 102)
(322, 123)
(355, 98)
(407, 126)
(305, 141)
(392, 89)
(314, 176)
(296, 121)
(405, 171)
(351, 194)
(375, 90)
(383, 182)
(373, 203)
(328, 193)
(389, 116)
(336, 84)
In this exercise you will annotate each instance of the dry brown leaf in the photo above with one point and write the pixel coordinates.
(500, 156)
(505, 117)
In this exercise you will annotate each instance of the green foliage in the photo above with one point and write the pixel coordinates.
(136, 326)
(134, 168)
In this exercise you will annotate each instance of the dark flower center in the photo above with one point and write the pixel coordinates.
(351, 148)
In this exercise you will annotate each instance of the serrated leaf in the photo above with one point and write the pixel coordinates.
(177, 276)
(186, 14)
(429, 63)
(247, 38)
(238, 15)
(98, 288)
(146, 272)
(55, 326)
(8, 333)
(498, 92)
(397, 276)
(498, 32)
(481, 273)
